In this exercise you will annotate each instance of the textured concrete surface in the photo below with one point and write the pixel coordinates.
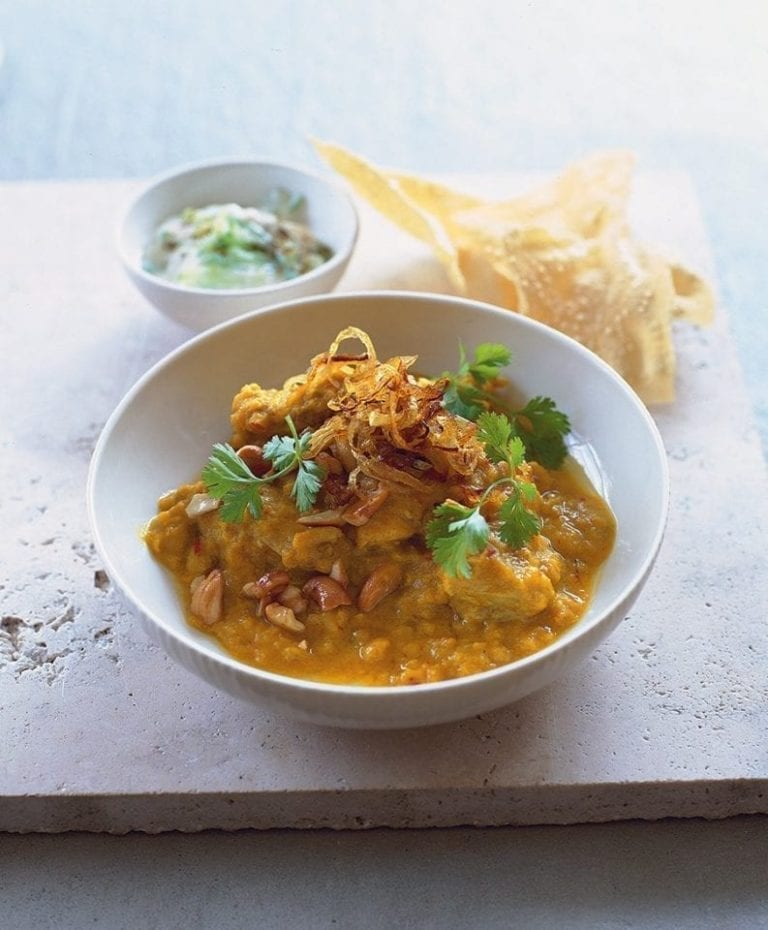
(680, 875)
(102, 732)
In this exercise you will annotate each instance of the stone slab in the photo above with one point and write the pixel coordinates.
(101, 732)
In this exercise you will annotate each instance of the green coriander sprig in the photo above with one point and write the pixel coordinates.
(228, 479)
(465, 395)
(457, 532)
(287, 452)
(539, 424)
(543, 429)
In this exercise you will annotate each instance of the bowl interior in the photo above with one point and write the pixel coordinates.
(327, 209)
(163, 431)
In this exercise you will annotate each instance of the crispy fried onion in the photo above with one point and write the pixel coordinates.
(393, 423)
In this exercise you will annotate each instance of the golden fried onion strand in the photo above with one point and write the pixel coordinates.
(394, 424)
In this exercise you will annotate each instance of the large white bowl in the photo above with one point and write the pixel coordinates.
(162, 433)
(328, 211)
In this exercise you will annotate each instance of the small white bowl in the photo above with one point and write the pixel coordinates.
(181, 407)
(328, 211)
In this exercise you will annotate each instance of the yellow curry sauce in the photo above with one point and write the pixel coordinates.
(428, 625)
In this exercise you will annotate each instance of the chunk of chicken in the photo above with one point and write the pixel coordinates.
(259, 413)
(506, 586)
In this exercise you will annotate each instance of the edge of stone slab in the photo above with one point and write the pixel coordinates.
(366, 809)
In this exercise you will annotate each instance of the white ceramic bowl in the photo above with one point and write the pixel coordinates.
(328, 211)
(177, 411)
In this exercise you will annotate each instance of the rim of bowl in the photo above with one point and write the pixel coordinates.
(339, 257)
(387, 692)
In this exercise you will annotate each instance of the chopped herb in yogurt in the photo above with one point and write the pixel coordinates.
(229, 246)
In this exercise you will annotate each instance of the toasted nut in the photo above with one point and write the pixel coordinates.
(254, 459)
(283, 617)
(322, 518)
(326, 593)
(381, 582)
(292, 597)
(339, 573)
(268, 585)
(361, 512)
(331, 465)
(200, 504)
(208, 596)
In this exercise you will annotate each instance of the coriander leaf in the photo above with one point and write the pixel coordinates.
(280, 451)
(285, 452)
(444, 515)
(498, 435)
(490, 358)
(542, 428)
(542, 412)
(228, 478)
(224, 467)
(306, 487)
(515, 453)
(464, 395)
(462, 400)
(549, 451)
(518, 524)
(494, 431)
(235, 502)
(454, 534)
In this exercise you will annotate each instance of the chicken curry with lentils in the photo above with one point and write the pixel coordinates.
(369, 526)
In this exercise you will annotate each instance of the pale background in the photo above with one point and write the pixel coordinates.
(106, 89)
(101, 88)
